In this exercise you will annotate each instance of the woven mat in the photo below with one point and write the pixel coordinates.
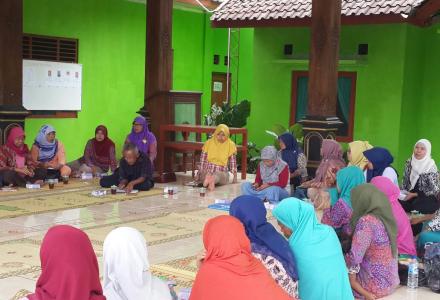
(61, 198)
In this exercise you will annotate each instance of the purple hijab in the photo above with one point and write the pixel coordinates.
(143, 139)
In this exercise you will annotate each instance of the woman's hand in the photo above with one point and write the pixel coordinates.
(23, 171)
(262, 187)
(200, 258)
(370, 296)
(410, 196)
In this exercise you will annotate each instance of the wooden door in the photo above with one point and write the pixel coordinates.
(219, 88)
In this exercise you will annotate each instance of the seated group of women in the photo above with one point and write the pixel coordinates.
(47, 158)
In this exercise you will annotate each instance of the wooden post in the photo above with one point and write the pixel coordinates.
(158, 62)
(324, 57)
(321, 121)
(12, 112)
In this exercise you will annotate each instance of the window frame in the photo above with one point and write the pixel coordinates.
(294, 96)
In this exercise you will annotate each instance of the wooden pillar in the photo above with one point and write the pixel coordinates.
(12, 112)
(158, 63)
(321, 121)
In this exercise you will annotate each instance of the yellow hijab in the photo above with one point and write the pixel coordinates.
(219, 153)
(357, 149)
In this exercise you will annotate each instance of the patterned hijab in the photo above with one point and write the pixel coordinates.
(252, 213)
(331, 157)
(381, 159)
(424, 165)
(48, 150)
(291, 152)
(14, 133)
(368, 200)
(271, 174)
(143, 139)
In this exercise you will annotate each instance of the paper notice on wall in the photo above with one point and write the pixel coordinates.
(218, 86)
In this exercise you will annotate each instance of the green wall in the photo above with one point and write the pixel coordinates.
(111, 37)
(390, 82)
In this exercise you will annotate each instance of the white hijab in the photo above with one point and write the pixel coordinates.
(126, 268)
(424, 165)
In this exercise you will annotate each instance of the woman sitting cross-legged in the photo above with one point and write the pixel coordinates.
(405, 239)
(267, 244)
(228, 270)
(135, 171)
(320, 263)
(99, 155)
(431, 230)
(339, 214)
(372, 259)
(217, 153)
(48, 153)
(69, 269)
(272, 177)
(127, 272)
(16, 165)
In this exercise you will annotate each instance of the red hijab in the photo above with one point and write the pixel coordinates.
(14, 133)
(69, 269)
(229, 270)
(102, 149)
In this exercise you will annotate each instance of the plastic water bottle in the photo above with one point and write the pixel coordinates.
(413, 273)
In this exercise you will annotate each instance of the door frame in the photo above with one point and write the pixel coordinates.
(222, 73)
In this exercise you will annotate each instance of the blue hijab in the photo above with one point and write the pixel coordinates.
(290, 154)
(381, 159)
(318, 254)
(47, 150)
(347, 179)
(263, 236)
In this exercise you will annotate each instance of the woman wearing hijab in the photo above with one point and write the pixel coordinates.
(355, 154)
(331, 163)
(126, 268)
(229, 271)
(421, 180)
(379, 164)
(217, 153)
(16, 165)
(99, 155)
(321, 268)
(48, 153)
(267, 245)
(271, 179)
(293, 155)
(141, 136)
(340, 211)
(69, 269)
(372, 260)
(405, 240)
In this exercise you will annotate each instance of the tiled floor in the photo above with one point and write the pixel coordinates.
(34, 226)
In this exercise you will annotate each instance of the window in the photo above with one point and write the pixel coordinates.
(345, 103)
(48, 48)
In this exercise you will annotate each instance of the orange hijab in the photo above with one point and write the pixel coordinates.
(229, 270)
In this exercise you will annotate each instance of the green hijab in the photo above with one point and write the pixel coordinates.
(368, 200)
(347, 179)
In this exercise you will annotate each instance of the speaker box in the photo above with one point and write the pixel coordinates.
(363, 49)
(288, 49)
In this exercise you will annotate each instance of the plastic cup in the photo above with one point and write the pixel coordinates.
(202, 192)
(65, 179)
(114, 189)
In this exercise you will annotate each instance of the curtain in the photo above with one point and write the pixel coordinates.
(302, 100)
(344, 91)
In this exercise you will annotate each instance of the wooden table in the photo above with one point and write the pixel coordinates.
(166, 144)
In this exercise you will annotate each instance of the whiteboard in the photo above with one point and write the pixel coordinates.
(51, 85)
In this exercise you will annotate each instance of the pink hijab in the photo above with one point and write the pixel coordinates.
(69, 269)
(405, 240)
(331, 158)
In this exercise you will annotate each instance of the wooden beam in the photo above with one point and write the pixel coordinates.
(324, 58)
(209, 4)
(423, 14)
(11, 56)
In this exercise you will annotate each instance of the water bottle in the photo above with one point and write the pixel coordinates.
(413, 273)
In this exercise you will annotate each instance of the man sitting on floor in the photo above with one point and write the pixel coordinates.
(135, 171)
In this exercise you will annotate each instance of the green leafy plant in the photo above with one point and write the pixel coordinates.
(231, 115)
(296, 130)
(253, 157)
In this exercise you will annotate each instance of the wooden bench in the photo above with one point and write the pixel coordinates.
(167, 144)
